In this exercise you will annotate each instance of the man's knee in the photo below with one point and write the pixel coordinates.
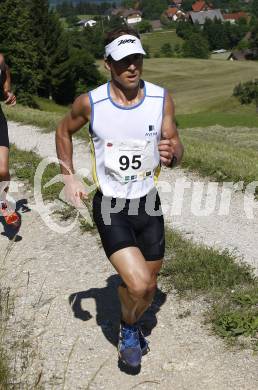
(4, 173)
(143, 287)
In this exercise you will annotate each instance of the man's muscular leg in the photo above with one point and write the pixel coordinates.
(139, 282)
(154, 268)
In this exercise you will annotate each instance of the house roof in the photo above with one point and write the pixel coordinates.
(176, 2)
(235, 16)
(126, 12)
(200, 17)
(198, 6)
(156, 24)
(242, 55)
(171, 11)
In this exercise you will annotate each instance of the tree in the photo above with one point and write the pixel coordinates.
(254, 40)
(144, 26)
(19, 46)
(184, 30)
(152, 9)
(166, 50)
(187, 5)
(247, 93)
(254, 8)
(196, 46)
(39, 13)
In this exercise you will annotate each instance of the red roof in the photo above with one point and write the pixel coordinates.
(201, 5)
(171, 11)
(235, 16)
(198, 6)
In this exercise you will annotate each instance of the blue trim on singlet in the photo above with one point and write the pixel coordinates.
(92, 110)
(101, 100)
(123, 107)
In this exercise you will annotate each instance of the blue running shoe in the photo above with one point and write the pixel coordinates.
(129, 348)
(143, 342)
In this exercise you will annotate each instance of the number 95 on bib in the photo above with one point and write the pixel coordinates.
(129, 160)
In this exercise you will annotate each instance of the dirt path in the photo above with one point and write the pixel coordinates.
(67, 313)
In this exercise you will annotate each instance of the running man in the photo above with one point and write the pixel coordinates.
(11, 217)
(132, 133)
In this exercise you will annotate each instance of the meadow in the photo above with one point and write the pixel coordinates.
(154, 40)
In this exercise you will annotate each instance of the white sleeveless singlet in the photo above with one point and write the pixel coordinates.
(124, 142)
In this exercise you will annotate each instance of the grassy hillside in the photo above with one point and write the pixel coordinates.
(156, 39)
(199, 85)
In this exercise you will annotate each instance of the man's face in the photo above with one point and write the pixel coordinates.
(127, 71)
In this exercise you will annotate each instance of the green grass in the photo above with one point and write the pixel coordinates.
(225, 119)
(199, 85)
(50, 106)
(156, 39)
(25, 115)
(46, 117)
(228, 285)
(238, 314)
(224, 154)
(194, 269)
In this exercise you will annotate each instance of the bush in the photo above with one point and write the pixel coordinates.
(166, 50)
(196, 46)
(247, 93)
(144, 26)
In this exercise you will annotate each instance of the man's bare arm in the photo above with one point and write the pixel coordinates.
(170, 147)
(10, 98)
(74, 121)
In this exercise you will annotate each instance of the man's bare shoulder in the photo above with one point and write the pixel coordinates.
(81, 107)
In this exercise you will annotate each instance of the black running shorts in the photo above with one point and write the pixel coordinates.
(4, 139)
(121, 229)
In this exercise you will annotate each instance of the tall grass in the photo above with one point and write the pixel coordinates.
(224, 154)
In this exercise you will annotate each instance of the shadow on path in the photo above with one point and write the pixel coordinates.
(12, 232)
(109, 312)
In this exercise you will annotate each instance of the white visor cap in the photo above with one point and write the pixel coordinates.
(124, 46)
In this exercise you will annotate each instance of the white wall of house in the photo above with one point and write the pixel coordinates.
(134, 20)
(90, 23)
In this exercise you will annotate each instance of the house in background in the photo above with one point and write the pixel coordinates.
(130, 16)
(156, 25)
(86, 23)
(241, 55)
(234, 17)
(200, 17)
(174, 14)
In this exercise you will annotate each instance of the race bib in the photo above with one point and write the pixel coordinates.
(129, 160)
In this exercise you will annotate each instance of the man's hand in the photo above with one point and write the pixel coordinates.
(166, 151)
(10, 98)
(74, 191)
